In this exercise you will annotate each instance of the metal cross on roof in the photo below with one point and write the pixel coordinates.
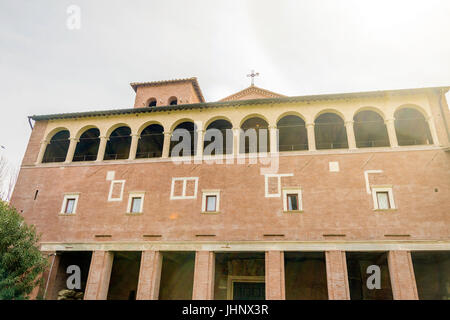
(253, 75)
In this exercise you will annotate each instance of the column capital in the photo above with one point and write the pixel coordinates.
(349, 122)
(310, 124)
(167, 133)
(74, 139)
(104, 138)
(389, 120)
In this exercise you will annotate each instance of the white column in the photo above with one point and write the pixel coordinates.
(101, 149)
(236, 137)
(273, 134)
(433, 131)
(134, 144)
(199, 153)
(71, 150)
(311, 136)
(42, 149)
(390, 126)
(350, 134)
(166, 144)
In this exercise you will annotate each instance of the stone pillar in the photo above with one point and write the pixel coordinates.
(311, 137)
(273, 136)
(134, 144)
(99, 275)
(149, 275)
(401, 272)
(50, 277)
(71, 150)
(350, 134)
(199, 152)
(433, 131)
(236, 137)
(275, 288)
(390, 126)
(166, 144)
(101, 149)
(204, 276)
(41, 153)
(337, 277)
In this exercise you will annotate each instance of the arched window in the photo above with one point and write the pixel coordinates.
(218, 138)
(150, 144)
(292, 134)
(173, 101)
(370, 130)
(56, 150)
(254, 136)
(87, 146)
(118, 145)
(186, 130)
(151, 102)
(411, 128)
(330, 133)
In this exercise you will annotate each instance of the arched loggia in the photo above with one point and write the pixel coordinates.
(292, 134)
(118, 145)
(370, 130)
(254, 136)
(330, 133)
(218, 138)
(56, 150)
(151, 142)
(87, 146)
(411, 128)
(183, 141)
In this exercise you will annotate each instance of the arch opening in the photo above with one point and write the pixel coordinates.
(183, 141)
(411, 128)
(173, 101)
(330, 132)
(218, 138)
(292, 135)
(87, 146)
(151, 102)
(370, 130)
(151, 142)
(118, 145)
(254, 136)
(56, 150)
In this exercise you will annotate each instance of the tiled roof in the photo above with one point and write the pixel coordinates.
(222, 104)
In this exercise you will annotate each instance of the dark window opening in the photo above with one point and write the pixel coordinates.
(36, 194)
(254, 136)
(118, 145)
(218, 138)
(185, 130)
(370, 130)
(173, 101)
(292, 134)
(56, 150)
(432, 273)
(87, 146)
(330, 132)
(151, 142)
(292, 202)
(151, 102)
(177, 276)
(411, 128)
(358, 264)
(241, 271)
(124, 275)
(305, 276)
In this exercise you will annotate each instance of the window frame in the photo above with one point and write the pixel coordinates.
(67, 197)
(210, 193)
(131, 196)
(386, 189)
(292, 191)
(183, 192)
(111, 188)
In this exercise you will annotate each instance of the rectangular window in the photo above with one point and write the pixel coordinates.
(383, 200)
(70, 205)
(136, 204)
(211, 203)
(292, 204)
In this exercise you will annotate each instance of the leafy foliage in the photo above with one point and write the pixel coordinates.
(21, 262)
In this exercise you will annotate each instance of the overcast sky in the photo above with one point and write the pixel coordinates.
(299, 47)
